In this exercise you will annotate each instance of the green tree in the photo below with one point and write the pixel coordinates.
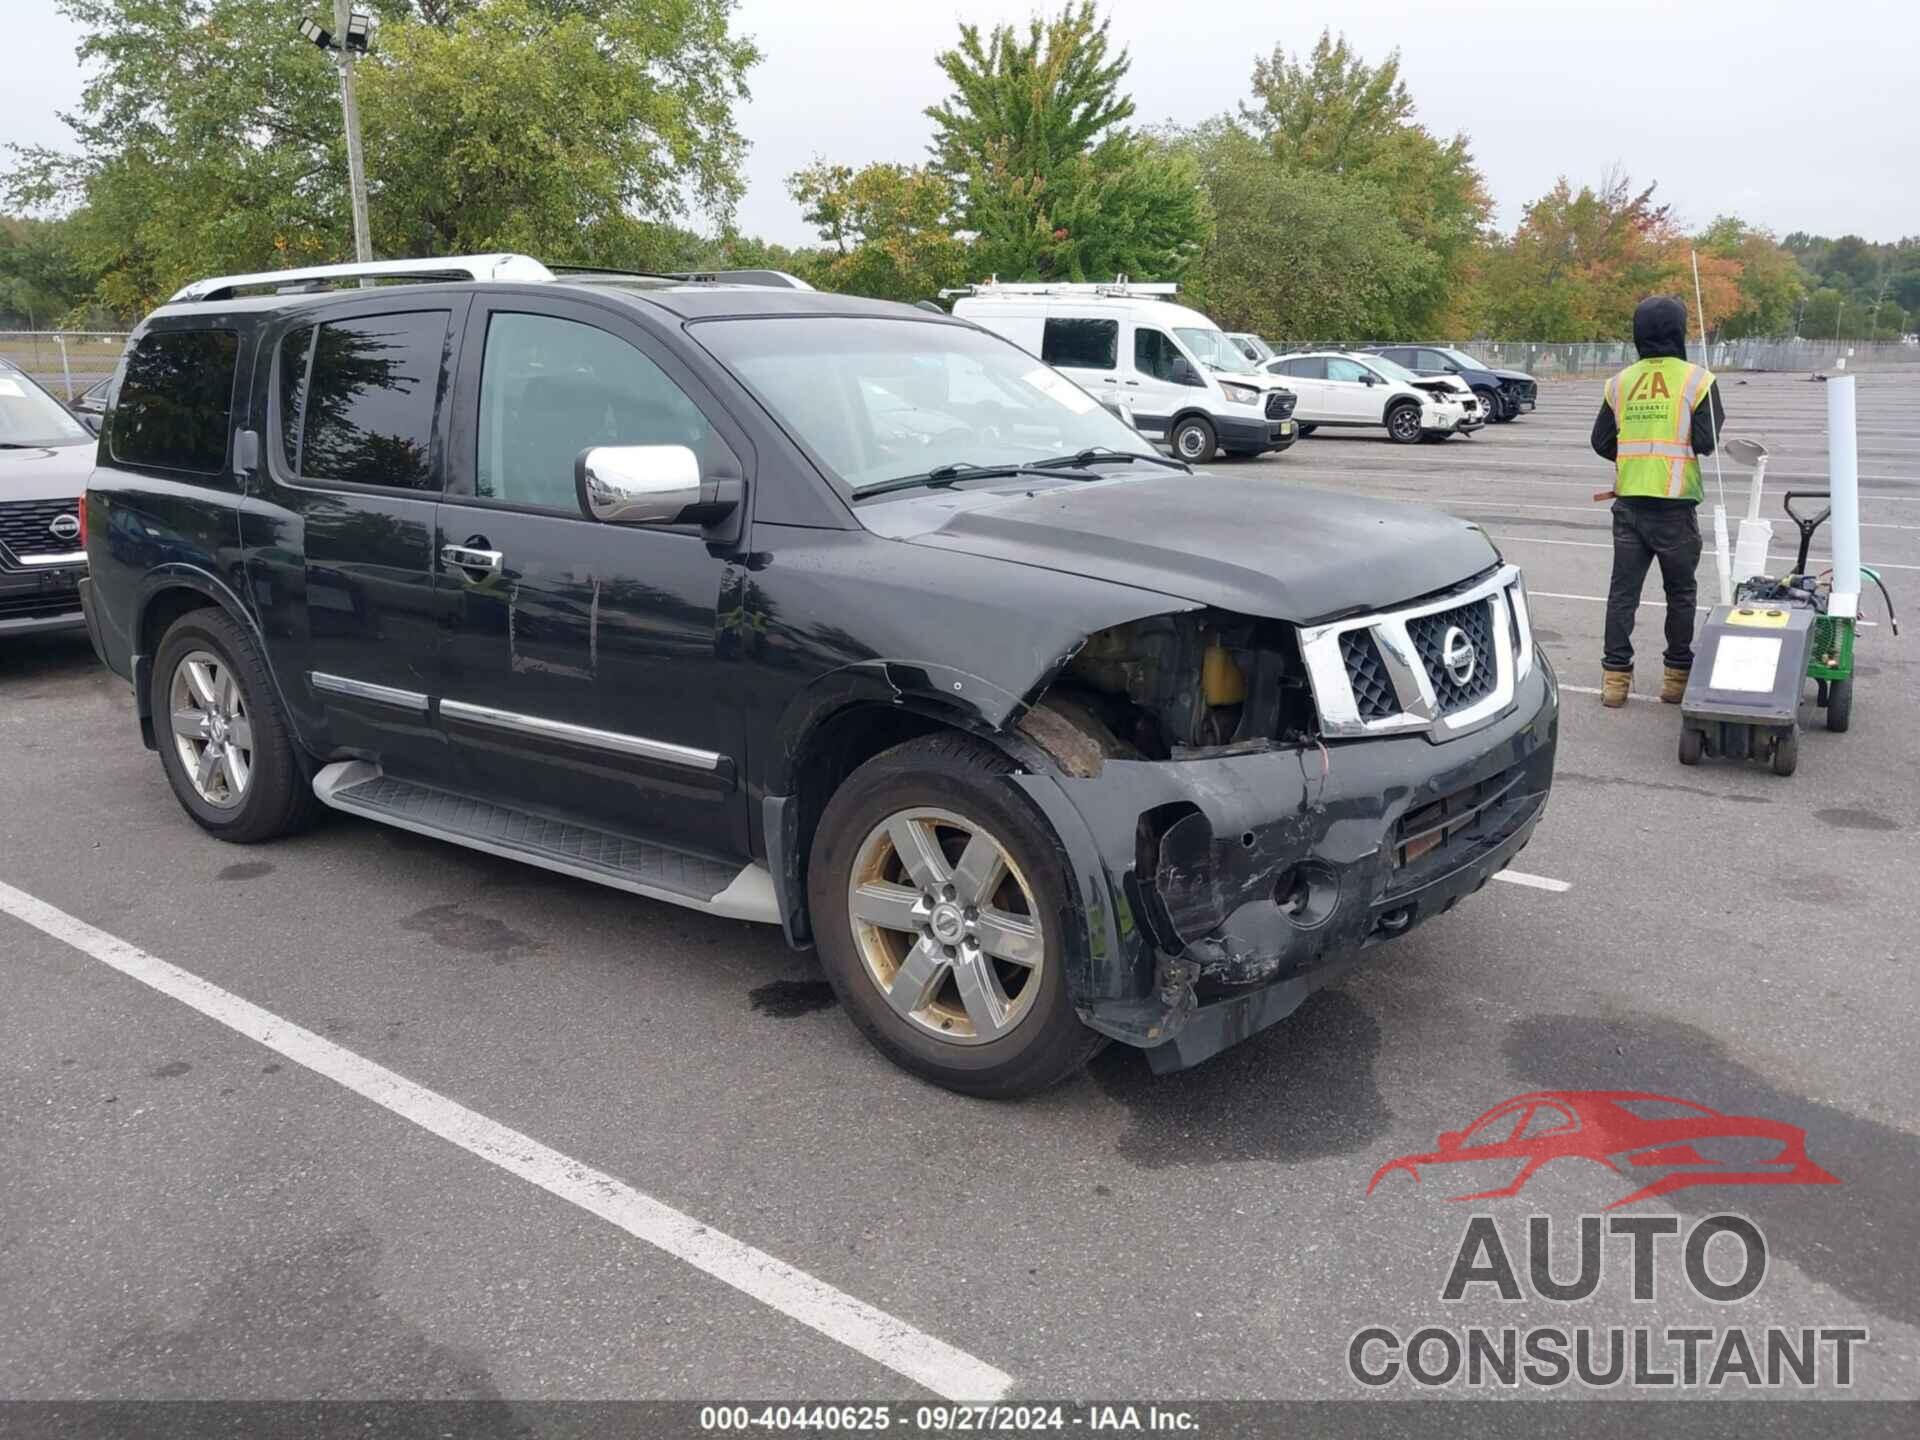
(1297, 255)
(888, 229)
(1770, 284)
(208, 137)
(1331, 113)
(1048, 179)
(41, 281)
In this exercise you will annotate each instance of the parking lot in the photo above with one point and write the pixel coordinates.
(227, 1197)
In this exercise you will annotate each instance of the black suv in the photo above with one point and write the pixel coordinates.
(1504, 394)
(824, 612)
(45, 455)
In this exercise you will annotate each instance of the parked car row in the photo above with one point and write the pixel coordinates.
(828, 613)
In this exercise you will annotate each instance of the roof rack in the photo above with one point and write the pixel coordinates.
(1119, 286)
(502, 266)
(777, 279)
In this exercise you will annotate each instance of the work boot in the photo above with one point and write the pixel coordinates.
(1673, 686)
(1614, 686)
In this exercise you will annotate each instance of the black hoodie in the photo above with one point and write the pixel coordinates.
(1660, 330)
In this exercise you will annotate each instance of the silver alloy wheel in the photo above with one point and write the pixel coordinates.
(211, 730)
(946, 926)
(1191, 442)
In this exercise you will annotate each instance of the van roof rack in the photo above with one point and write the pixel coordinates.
(1119, 287)
(502, 266)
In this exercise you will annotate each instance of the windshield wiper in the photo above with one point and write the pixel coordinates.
(939, 477)
(1088, 457)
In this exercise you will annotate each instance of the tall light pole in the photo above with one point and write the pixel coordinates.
(351, 37)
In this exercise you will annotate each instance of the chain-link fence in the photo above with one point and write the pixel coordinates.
(1546, 361)
(65, 361)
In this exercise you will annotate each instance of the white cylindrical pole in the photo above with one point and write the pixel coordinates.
(1843, 481)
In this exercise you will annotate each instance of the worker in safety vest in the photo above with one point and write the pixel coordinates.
(1659, 416)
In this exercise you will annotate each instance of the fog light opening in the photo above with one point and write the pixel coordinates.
(1395, 921)
(1292, 893)
(1307, 894)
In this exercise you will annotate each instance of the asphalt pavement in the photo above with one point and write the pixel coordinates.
(199, 1202)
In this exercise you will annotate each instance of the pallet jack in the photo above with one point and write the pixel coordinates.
(1756, 653)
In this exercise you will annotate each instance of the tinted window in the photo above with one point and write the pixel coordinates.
(552, 388)
(369, 399)
(1308, 369)
(1155, 354)
(296, 352)
(176, 401)
(1344, 369)
(1432, 360)
(1399, 354)
(1081, 344)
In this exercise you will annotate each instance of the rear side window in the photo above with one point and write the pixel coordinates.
(1308, 369)
(176, 401)
(1081, 344)
(357, 398)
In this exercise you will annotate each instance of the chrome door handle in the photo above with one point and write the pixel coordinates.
(465, 557)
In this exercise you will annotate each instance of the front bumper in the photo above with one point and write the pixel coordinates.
(36, 601)
(1236, 433)
(1218, 893)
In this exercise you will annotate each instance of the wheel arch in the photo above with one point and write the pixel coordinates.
(842, 721)
(167, 593)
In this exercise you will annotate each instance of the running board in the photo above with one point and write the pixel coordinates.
(637, 866)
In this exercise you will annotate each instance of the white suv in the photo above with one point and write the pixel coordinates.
(1335, 388)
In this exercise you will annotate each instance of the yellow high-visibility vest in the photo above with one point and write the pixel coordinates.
(1653, 403)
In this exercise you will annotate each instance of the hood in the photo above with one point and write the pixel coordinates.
(57, 472)
(1660, 327)
(1514, 375)
(1253, 547)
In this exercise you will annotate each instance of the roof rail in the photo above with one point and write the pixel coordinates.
(777, 279)
(502, 266)
(1119, 287)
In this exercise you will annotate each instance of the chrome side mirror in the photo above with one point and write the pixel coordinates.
(637, 484)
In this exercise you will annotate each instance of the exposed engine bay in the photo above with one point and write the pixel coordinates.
(1174, 686)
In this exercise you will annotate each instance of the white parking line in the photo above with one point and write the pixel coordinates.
(917, 1356)
(1608, 545)
(1532, 882)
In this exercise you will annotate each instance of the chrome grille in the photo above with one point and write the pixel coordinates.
(1429, 632)
(1387, 674)
(23, 526)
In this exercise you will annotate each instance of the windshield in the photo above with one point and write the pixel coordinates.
(1389, 368)
(31, 417)
(1213, 350)
(1463, 360)
(877, 400)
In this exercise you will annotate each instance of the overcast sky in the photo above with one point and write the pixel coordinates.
(1795, 116)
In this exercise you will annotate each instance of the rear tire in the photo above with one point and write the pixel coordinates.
(1403, 423)
(1193, 440)
(212, 694)
(1306, 430)
(945, 794)
(1840, 705)
(1786, 752)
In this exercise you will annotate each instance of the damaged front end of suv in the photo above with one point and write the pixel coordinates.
(1250, 804)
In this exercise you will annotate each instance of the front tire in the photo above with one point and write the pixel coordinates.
(1306, 430)
(1193, 440)
(1840, 705)
(940, 902)
(1403, 423)
(223, 737)
(1490, 404)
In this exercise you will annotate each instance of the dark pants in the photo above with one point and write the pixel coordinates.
(1645, 531)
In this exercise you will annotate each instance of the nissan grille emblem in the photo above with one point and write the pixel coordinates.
(1458, 655)
(65, 527)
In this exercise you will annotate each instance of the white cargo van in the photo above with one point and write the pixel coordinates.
(1182, 379)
